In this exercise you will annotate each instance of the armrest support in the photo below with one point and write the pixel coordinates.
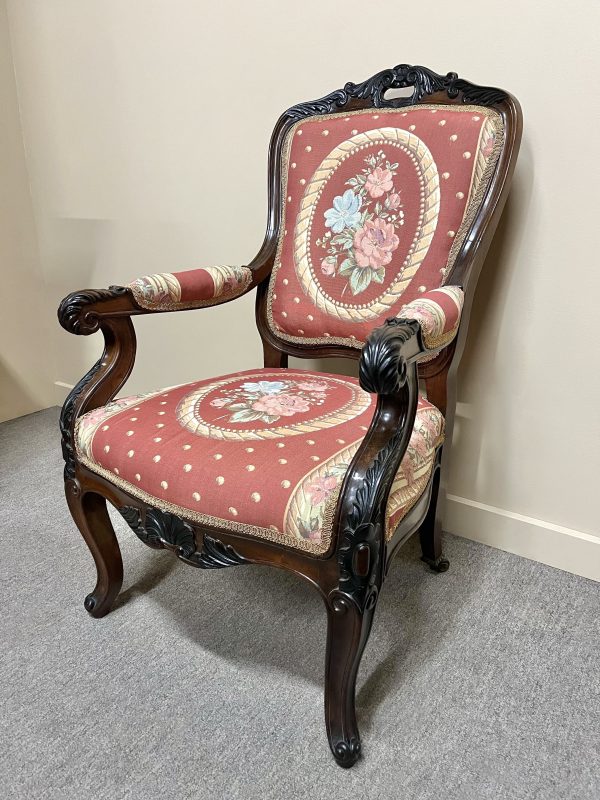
(388, 367)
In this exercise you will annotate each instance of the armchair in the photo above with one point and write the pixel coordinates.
(381, 211)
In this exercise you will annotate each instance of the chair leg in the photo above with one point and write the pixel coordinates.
(348, 629)
(91, 517)
(430, 532)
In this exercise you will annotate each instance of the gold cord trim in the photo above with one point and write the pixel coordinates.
(306, 545)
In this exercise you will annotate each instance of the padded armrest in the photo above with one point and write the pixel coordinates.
(194, 288)
(438, 313)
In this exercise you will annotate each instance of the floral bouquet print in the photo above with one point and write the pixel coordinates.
(268, 401)
(317, 493)
(364, 224)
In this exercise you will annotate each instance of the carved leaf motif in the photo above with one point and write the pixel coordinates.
(163, 529)
(216, 555)
(131, 516)
(382, 368)
(166, 528)
(67, 419)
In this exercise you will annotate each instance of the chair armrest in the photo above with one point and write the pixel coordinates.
(80, 312)
(194, 288)
(110, 310)
(438, 312)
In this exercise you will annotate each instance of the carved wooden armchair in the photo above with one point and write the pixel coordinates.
(381, 211)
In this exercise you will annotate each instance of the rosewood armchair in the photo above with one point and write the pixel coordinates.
(381, 210)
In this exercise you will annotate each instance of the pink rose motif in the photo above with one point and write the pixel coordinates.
(327, 267)
(92, 417)
(281, 405)
(379, 181)
(219, 402)
(313, 386)
(488, 147)
(320, 489)
(375, 243)
(393, 201)
(421, 449)
(319, 395)
(407, 470)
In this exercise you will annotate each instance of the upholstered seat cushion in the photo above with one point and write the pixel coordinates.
(261, 453)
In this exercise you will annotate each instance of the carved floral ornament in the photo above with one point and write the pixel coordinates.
(161, 529)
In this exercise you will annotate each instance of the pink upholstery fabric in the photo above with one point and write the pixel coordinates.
(261, 453)
(438, 312)
(375, 207)
(193, 288)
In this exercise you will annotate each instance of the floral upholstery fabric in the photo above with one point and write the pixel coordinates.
(375, 207)
(438, 313)
(192, 288)
(261, 453)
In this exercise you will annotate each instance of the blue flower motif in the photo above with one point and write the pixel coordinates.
(264, 387)
(345, 212)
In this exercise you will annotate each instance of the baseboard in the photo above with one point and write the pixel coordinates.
(61, 390)
(563, 548)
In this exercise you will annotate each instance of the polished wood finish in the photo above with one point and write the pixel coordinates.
(350, 576)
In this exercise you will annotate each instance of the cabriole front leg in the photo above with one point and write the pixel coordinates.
(348, 629)
(91, 517)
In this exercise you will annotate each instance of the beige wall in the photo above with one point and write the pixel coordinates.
(26, 370)
(146, 126)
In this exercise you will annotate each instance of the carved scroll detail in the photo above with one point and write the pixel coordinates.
(424, 81)
(72, 313)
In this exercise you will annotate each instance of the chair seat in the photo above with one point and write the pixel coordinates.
(261, 453)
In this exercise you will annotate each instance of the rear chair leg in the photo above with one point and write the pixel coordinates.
(91, 517)
(430, 532)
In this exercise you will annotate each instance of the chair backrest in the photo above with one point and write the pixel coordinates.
(375, 200)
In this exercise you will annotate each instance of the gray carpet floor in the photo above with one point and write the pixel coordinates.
(479, 683)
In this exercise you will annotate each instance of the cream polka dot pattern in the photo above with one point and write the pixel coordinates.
(189, 481)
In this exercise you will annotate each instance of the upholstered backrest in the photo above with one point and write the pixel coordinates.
(375, 206)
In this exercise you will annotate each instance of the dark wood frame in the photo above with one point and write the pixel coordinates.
(350, 575)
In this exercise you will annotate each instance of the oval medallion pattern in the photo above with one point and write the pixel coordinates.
(270, 406)
(356, 251)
